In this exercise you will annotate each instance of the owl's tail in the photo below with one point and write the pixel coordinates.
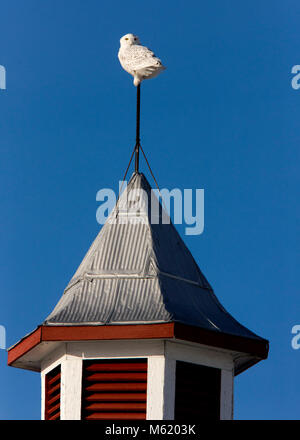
(137, 81)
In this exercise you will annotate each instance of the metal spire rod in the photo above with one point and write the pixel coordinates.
(138, 113)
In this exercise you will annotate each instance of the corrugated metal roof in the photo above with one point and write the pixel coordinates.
(139, 272)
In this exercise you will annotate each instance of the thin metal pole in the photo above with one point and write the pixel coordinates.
(138, 114)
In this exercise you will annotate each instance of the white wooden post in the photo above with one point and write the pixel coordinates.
(71, 382)
(155, 387)
(226, 401)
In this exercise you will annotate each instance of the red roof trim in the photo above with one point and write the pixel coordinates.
(107, 332)
(255, 347)
(24, 345)
(88, 333)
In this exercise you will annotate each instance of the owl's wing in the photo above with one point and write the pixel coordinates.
(139, 57)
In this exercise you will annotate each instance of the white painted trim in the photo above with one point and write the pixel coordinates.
(226, 398)
(42, 396)
(116, 349)
(155, 387)
(53, 359)
(200, 355)
(71, 383)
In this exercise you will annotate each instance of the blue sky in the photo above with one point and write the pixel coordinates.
(222, 117)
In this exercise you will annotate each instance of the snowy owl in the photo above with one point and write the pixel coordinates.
(138, 60)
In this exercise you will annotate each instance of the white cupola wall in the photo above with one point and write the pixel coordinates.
(146, 379)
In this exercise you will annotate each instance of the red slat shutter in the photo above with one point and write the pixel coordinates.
(52, 394)
(114, 389)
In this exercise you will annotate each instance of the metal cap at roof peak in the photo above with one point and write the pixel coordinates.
(139, 271)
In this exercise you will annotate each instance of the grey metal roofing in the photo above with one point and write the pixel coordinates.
(138, 272)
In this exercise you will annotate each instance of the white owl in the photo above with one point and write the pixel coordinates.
(138, 60)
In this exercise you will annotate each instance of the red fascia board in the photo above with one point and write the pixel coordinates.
(88, 333)
(107, 332)
(256, 347)
(24, 345)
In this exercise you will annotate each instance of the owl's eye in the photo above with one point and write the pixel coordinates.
(135, 39)
(126, 38)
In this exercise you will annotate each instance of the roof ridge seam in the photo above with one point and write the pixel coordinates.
(196, 283)
(90, 277)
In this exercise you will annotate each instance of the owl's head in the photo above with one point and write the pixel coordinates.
(129, 40)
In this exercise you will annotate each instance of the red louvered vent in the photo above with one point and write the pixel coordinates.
(114, 389)
(197, 392)
(52, 394)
